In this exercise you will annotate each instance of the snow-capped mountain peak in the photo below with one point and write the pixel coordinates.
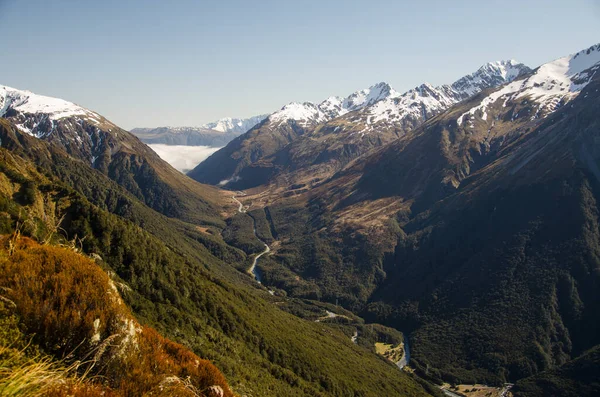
(490, 75)
(550, 85)
(301, 112)
(506, 69)
(27, 102)
(369, 96)
(425, 101)
(308, 112)
(235, 125)
(31, 113)
(381, 103)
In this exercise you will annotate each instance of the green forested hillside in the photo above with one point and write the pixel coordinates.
(181, 281)
(579, 377)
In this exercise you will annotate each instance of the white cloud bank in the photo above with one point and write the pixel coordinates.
(183, 158)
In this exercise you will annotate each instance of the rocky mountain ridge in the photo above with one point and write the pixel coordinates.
(304, 139)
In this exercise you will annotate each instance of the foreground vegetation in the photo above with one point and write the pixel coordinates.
(74, 316)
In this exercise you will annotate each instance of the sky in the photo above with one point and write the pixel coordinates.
(147, 63)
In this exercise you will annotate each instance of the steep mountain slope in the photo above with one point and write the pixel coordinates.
(87, 136)
(339, 130)
(181, 279)
(459, 142)
(509, 262)
(476, 233)
(579, 377)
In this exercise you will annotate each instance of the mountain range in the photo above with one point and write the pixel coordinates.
(460, 229)
(215, 134)
(457, 226)
(303, 136)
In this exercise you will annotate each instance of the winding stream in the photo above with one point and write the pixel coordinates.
(406, 357)
(253, 271)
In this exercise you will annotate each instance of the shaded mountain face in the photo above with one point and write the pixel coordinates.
(216, 134)
(306, 141)
(508, 263)
(579, 377)
(89, 137)
(477, 233)
(470, 136)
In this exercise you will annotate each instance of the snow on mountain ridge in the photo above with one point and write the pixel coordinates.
(550, 85)
(235, 125)
(425, 101)
(27, 102)
(489, 75)
(381, 103)
(227, 125)
(33, 113)
(309, 112)
(369, 96)
(301, 112)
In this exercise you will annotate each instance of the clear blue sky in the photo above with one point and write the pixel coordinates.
(151, 63)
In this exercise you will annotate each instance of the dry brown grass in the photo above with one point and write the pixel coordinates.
(393, 353)
(476, 390)
(73, 310)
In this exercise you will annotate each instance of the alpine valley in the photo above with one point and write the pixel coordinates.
(441, 241)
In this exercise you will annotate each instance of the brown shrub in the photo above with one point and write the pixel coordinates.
(64, 299)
